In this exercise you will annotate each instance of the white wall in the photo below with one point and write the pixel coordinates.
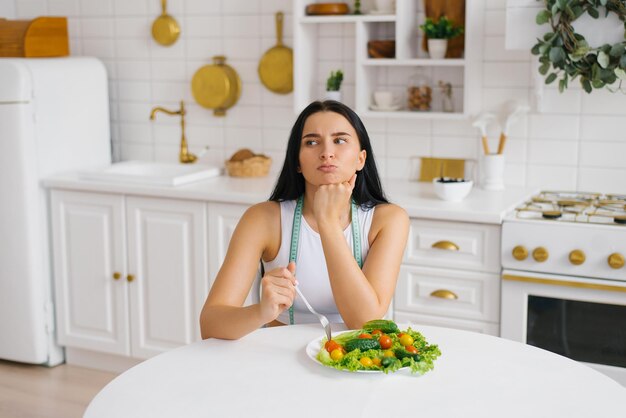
(578, 142)
(7, 9)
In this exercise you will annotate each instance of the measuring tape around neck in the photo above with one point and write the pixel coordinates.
(295, 238)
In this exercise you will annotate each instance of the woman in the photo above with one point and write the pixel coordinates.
(328, 176)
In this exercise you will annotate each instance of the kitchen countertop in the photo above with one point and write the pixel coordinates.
(417, 198)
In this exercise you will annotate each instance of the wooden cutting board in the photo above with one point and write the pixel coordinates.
(40, 37)
(455, 11)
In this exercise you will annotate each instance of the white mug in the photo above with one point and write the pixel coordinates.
(383, 99)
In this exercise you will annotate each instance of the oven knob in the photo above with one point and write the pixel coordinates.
(616, 261)
(577, 257)
(520, 253)
(540, 254)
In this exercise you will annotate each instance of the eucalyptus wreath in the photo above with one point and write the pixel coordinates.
(565, 54)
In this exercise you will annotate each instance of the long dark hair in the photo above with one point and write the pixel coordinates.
(368, 191)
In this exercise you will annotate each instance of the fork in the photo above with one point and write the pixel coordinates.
(321, 317)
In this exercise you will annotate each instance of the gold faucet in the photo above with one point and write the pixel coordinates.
(184, 156)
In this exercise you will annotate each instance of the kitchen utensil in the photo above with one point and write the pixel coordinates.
(450, 190)
(216, 86)
(322, 318)
(165, 29)
(481, 122)
(40, 37)
(383, 99)
(381, 49)
(327, 9)
(510, 113)
(276, 65)
(492, 169)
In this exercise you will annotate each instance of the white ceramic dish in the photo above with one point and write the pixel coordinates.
(454, 191)
(381, 12)
(392, 108)
(315, 346)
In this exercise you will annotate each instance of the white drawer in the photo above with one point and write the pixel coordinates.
(415, 320)
(474, 295)
(455, 245)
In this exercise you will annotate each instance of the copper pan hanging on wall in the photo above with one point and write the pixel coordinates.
(276, 66)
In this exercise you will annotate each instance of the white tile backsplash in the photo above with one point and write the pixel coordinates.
(96, 7)
(603, 154)
(577, 142)
(554, 126)
(552, 152)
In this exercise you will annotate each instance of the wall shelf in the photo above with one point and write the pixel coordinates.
(365, 75)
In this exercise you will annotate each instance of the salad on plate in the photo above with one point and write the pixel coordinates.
(380, 346)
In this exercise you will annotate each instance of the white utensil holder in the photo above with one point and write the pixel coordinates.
(492, 172)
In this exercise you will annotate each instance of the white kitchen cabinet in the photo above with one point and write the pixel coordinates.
(130, 272)
(393, 74)
(223, 219)
(450, 276)
(167, 256)
(89, 254)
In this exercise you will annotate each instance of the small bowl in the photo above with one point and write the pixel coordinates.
(452, 190)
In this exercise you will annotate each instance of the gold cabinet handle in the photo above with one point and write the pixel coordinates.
(445, 245)
(540, 254)
(577, 257)
(444, 294)
(117, 275)
(520, 253)
(616, 261)
(130, 278)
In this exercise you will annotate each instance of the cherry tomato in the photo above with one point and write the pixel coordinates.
(406, 339)
(400, 334)
(366, 361)
(337, 354)
(377, 332)
(331, 345)
(365, 336)
(385, 342)
(388, 353)
(376, 361)
(411, 349)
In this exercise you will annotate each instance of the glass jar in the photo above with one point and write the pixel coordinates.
(420, 92)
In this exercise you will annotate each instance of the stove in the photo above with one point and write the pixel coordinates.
(572, 233)
(577, 207)
(564, 277)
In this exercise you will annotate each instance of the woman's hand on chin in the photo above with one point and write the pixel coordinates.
(331, 200)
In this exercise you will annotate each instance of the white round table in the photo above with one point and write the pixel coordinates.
(268, 374)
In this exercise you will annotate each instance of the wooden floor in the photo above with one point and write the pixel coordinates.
(28, 391)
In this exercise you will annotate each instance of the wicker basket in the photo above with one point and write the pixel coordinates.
(244, 163)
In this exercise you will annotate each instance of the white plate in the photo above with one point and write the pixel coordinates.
(381, 12)
(385, 109)
(314, 347)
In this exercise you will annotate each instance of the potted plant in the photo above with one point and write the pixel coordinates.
(333, 84)
(438, 32)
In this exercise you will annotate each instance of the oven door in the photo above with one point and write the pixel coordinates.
(583, 319)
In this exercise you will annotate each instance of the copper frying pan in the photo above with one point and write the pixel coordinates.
(276, 66)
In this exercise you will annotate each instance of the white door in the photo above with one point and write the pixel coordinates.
(223, 219)
(89, 265)
(167, 264)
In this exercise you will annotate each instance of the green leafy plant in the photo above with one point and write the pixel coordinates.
(334, 81)
(441, 29)
(566, 55)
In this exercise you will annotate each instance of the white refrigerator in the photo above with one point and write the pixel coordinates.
(54, 116)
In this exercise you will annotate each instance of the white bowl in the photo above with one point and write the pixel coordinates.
(453, 191)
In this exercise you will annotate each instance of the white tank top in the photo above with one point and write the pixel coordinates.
(311, 270)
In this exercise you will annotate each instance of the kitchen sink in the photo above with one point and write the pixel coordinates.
(152, 173)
